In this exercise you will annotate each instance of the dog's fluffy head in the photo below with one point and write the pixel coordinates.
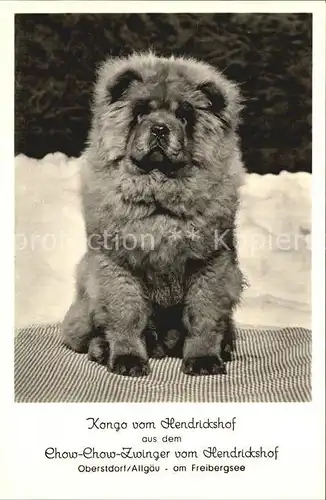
(166, 114)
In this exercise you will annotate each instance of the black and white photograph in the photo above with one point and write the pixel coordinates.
(163, 174)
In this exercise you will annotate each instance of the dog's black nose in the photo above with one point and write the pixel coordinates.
(160, 131)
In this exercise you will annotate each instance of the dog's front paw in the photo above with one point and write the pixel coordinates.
(204, 365)
(130, 365)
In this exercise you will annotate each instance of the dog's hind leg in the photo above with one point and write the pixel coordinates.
(77, 326)
(99, 350)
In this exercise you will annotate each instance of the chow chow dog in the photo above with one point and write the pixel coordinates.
(160, 180)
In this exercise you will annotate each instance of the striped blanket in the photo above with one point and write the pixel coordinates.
(268, 366)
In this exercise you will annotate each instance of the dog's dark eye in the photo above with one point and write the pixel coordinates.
(141, 108)
(185, 112)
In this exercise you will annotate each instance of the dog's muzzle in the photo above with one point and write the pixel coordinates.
(163, 148)
(156, 159)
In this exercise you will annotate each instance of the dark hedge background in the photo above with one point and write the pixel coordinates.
(269, 54)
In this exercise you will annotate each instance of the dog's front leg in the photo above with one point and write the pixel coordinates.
(211, 295)
(122, 310)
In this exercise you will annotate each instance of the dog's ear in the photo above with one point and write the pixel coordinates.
(224, 101)
(121, 84)
(214, 95)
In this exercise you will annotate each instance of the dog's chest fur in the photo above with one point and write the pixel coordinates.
(164, 288)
